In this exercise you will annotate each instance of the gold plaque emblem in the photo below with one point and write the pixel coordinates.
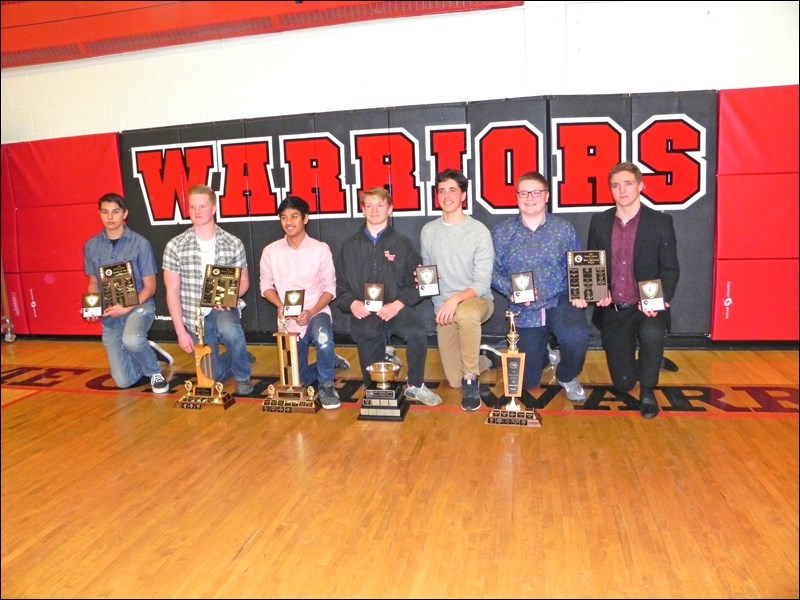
(294, 297)
(650, 289)
(522, 282)
(92, 299)
(374, 292)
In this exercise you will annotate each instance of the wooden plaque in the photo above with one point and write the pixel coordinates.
(221, 286)
(587, 275)
(117, 285)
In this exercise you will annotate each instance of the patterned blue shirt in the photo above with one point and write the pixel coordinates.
(543, 252)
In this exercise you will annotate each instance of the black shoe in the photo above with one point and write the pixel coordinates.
(161, 354)
(648, 407)
(668, 365)
(251, 358)
(470, 394)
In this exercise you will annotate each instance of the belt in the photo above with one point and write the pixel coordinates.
(624, 306)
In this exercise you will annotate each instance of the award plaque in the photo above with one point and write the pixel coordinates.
(117, 285)
(206, 392)
(652, 295)
(513, 365)
(289, 396)
(522, 289)
(384, 399)
(586, 275)
(428, 281)
(92, 306)
(293, 303)
(221, 286)
(373, 296)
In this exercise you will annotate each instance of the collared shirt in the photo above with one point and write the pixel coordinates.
(624, 289)
(182, 255)
(99, 251)
(308, 267)
(518, 249)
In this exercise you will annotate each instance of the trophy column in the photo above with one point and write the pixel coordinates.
(513, 366)
(289, 396)
(206, 392)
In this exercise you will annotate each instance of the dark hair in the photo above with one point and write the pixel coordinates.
(626, 166)
(455, 175)
(534, 176)
(115, 198)
(295, 202)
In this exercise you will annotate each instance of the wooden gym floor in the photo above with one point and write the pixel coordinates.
(111, 493)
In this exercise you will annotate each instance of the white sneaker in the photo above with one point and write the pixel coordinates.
(391, 356)
(575, 391)
(554, 356)
(161, 354)
(423, 394)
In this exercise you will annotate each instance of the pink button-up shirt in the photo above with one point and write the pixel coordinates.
(309, 268)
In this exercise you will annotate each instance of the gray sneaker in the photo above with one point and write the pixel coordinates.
(470, 394)
(575, 392)
(423, 394)
(158, 384)
(391, 356)
(554, 356)
(340, 363)
(244, 388)
(328, 396)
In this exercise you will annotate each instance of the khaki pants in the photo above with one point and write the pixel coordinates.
(459, 343)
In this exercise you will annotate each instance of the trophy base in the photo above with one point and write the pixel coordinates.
(517, 418)
(288, 399)
(197, 398)
(384, 404)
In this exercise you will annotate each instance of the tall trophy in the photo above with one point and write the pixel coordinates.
(289, 396)
(513, 365)
(384, 399)
(206, 392)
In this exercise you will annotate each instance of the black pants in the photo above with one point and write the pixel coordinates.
(371, 338)
(621, 333)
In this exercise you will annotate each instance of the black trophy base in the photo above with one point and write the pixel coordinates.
(384, 404)
(514, 418)
(288, 399)
(198, 398)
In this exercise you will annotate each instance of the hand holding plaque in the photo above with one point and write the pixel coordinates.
(117, 285)
(652, 295)
(293, 303)
(586, 275)
(428, 281)
(373, 296)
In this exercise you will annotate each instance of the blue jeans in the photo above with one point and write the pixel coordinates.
(225, 326)
(125, 339)
(571, 328)
(319, 334)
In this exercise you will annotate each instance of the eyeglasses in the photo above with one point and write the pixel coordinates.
(532, 194)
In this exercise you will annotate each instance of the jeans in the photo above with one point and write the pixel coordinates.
(125, 340)
(319, 333)
(571, 328)
(225, 326)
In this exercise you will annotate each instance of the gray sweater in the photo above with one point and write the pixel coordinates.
(463, 255)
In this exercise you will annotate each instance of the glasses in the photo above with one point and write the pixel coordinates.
(532, 194)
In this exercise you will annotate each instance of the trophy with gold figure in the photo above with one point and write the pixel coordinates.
(513, 366)
(206, 392)
(289, 396)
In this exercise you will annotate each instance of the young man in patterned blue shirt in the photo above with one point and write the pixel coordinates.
(538, 242)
